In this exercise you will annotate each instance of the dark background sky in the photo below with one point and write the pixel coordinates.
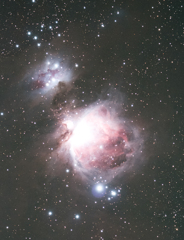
(133, 46)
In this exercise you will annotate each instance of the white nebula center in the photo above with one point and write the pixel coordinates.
(83, 134)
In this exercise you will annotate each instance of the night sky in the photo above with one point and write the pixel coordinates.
(91, 120)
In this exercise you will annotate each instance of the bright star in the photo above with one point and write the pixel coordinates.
(113, 193)
(99, 188)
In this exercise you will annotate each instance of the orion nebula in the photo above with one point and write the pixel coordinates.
(98, 141)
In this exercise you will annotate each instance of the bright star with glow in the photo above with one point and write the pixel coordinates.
(77, 216)
(98, 190)
(50, 213)
(99, 187)
(113, 193)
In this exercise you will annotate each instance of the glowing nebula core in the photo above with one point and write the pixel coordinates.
(97, 140)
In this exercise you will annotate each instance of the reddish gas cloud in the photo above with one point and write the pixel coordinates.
(47, 78)
(97, 140)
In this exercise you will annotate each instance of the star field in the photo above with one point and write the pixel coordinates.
(59, 59)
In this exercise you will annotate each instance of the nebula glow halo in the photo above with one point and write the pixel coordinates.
(98, 142)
